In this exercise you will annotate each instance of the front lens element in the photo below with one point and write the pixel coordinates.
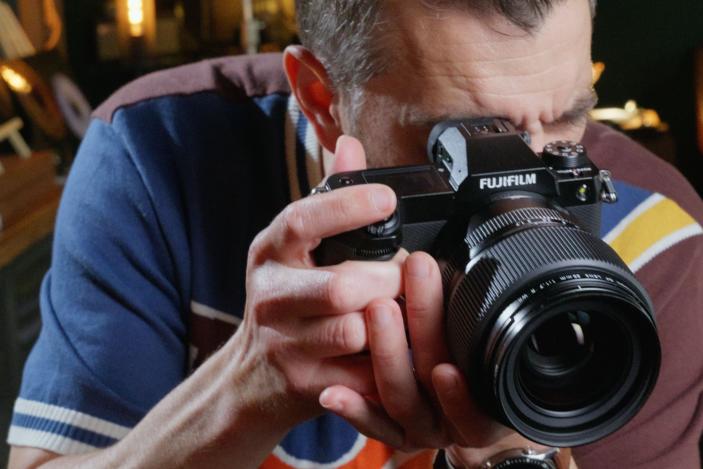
(554, 332)
(573, 360)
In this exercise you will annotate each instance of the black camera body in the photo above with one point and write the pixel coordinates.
(474, 163)
(554, 332)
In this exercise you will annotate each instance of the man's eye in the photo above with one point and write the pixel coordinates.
(576, 120)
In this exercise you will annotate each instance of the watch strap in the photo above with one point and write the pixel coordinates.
(562, 460)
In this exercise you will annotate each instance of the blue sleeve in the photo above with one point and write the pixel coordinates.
(113, 333)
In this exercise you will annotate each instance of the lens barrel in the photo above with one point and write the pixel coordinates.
(555, 333)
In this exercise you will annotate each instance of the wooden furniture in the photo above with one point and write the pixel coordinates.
(25, 253)
(10, 130)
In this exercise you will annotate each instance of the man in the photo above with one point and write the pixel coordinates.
(157, 247)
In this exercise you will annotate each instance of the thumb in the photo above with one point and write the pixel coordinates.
(349, 155)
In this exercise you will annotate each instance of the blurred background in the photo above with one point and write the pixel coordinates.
(59, 59)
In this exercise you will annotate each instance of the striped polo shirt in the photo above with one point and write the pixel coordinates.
(177, 174)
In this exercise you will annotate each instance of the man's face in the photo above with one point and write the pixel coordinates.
(453, 64)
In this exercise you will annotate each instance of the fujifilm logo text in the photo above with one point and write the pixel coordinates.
(508, 181)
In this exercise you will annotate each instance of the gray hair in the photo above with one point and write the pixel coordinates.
(342, 33)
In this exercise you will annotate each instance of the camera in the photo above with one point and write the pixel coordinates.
(555, 334)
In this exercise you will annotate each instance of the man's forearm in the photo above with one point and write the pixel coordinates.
(220, 416)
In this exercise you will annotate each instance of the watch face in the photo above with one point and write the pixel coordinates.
(523, 463)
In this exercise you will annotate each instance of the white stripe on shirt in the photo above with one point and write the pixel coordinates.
(664, 244)
(70, 417)
(20, 436)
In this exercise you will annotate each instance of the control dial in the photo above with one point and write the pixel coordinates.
(384, 228)
(564, 154)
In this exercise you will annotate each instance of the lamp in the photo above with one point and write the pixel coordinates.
(136, 26)
(15, 80)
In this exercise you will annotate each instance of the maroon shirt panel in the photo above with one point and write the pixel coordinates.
(235, 76)
(632, 163)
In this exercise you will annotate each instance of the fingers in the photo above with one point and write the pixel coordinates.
(281, 292)
(353, 372)
(303, 323)
(471, 425)
(349, 155)
(390, 357)
(332, 336)
(366, 416)
(300, 226)
(424, 306)
(393, 370)
(308, 376)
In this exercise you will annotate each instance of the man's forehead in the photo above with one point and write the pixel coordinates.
(425, 36)
(584, 100)
(472, 68)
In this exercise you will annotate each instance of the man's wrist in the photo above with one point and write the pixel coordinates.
(254, 391)
(560, 458)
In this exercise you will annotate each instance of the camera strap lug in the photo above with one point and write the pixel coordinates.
(608, 193)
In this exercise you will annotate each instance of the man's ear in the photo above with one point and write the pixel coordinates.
(312, 88)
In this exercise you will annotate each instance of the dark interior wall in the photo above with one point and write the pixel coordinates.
(647, 46)
(81, 18)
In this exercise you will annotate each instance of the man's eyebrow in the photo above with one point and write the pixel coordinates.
(580, 109)
(418, 119)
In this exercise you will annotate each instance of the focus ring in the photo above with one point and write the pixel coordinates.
(505, 220)
(508, 267)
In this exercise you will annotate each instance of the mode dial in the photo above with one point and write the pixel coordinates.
(564, 154)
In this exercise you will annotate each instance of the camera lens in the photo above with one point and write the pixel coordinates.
(561, 361)
(555, 333)
(572, 361)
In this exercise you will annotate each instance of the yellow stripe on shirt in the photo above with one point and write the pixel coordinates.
(652, 231)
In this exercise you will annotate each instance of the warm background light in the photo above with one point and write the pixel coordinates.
(598, 69)
(136, 26)
(135, 17)
(15, 80)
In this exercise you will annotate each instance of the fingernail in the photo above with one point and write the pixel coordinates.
(381, 315)
(455, 385)
(382, 199)
(418, 267)
(340, 140)
(326, 400)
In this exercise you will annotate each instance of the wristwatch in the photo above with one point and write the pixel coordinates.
(524, 458)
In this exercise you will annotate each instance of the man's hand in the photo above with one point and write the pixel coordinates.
(424, 401)
(304, 325)
(302, 330)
